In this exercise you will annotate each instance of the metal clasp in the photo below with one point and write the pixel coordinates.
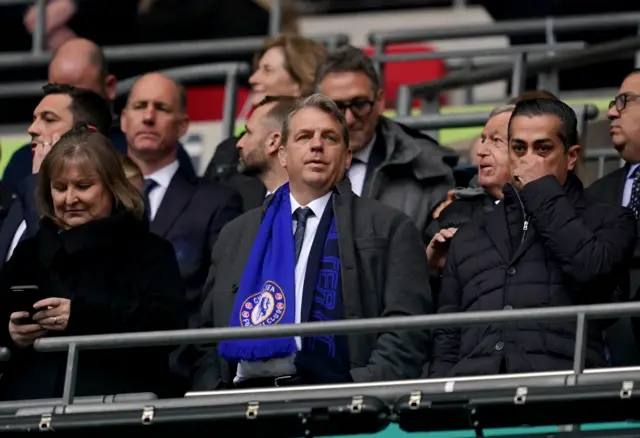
(147, 415)
(356, 404)
(627, 389)
(45, 423)
(414, 400)
(252, 410)
(521, 396)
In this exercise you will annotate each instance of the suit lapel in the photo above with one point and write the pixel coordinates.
(497, 230)
(9, 228)
(173, 203)
(619, 183)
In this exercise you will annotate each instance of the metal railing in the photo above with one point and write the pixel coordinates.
(74, 344)
(548, 26)
(469, 58)
(230, 72)
(178, 50)
(37, 48)
(430, 91)
(430, 123)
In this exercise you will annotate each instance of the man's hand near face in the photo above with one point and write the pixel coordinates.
(529, 168)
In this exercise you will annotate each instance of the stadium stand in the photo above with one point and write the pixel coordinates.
(418, 78)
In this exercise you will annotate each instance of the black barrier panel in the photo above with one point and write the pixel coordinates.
(526, 407)
(365, 415)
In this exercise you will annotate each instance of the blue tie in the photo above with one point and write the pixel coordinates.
(301, 215)
(149, 184)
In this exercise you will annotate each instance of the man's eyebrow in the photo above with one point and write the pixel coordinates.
(45, 113)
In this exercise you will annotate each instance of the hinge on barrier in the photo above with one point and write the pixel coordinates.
(627, 389)
(414, 400)
(252, 410)
(356, 404)
(45, 422)
(521, 396)
(147, 415)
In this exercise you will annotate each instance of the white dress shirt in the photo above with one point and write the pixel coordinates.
(628, 185)
(163, 178)
(284, 366)
(357, 172)
(16, 238)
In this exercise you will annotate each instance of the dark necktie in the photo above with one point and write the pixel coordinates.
(149, 184)
(634, 202)
(301, 215)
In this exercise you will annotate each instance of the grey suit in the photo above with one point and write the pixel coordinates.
(384, 273)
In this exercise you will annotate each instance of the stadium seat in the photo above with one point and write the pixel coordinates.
(409, 72)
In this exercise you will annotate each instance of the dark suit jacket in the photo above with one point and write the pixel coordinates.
(190, 216)
(620, 340)
(20, 165)
(223, 168)
(22, 208)
(384, 273)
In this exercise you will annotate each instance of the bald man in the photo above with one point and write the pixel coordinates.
(81, 63)
(183, 209)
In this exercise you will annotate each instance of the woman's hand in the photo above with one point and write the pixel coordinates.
(24, 334)
(54, 314)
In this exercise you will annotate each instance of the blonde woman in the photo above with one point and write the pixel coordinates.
(93, 268)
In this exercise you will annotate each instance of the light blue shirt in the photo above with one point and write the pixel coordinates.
(628, 185)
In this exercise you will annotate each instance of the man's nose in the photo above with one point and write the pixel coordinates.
(149, 115)
(481, 149)
(613, 113)
(34, 130)
(316, 143)
(350, 117)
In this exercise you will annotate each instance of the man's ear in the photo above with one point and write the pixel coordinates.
(573, 156)
(380, 103)
(273, 143)
(282, 156)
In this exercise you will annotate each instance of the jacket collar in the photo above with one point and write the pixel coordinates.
(406, 146)
(107, 232)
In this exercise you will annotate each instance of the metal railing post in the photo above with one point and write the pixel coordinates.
(230, 103)
(38, 44)
(70, 375)
(580, 351)
(275, 17)
(519, 75)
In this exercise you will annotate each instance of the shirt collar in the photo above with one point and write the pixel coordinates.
(164, 176)
(317, 206)
(364, 153)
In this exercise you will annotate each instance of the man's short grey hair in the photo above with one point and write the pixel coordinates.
(502, 109)
(322, 103)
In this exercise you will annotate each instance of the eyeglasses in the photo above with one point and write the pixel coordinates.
(358, 107)
(621, 100)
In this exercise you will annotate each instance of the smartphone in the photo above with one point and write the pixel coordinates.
(22, 299)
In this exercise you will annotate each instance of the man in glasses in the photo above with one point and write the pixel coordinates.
(391, 163)
(622, 187)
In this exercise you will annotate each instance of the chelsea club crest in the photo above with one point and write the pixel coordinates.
(266, 307)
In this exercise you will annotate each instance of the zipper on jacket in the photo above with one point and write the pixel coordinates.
(525, 225)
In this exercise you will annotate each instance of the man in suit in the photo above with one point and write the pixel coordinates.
(62, 107)
(80, 63)
(622, 187)
(186, 211)
(315, 252)
(258, 147)
(396, 165)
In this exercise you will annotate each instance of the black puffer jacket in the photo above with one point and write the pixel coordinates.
(572, 252)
